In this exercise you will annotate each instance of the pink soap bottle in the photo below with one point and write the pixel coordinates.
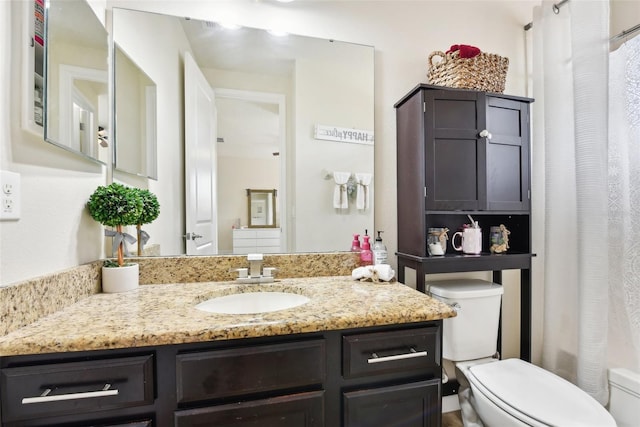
(355, 245)
(366, 256)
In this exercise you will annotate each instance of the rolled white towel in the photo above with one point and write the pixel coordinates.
(377, 273)
(340, 198)
(362, 195)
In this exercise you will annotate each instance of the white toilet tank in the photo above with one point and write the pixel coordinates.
(473, 333)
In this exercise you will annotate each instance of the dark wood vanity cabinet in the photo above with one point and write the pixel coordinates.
(463, 152)
(403, 352)
(374, 377)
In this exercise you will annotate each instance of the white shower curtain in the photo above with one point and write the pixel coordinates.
(624, 204)
(570, 52)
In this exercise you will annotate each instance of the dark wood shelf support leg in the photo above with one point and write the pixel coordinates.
(525, 315)
(497, 278)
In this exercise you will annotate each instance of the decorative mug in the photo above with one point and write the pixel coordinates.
(471, 241)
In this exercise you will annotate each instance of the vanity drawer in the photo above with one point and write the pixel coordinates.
(273, 233)
(76, 387)
(234, 372)
(390, 352)
(296, 410)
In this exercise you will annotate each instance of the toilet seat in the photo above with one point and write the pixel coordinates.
(535, 396)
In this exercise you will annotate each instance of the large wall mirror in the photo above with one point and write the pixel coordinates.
(76, 79)
(281, 112)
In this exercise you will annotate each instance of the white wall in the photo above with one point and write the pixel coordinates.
(55, 231)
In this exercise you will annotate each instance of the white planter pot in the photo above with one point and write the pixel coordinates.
(119, 279)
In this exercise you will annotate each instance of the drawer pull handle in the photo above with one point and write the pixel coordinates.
(45, 397)
(412, 353)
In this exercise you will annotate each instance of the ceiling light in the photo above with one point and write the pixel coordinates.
(278, 33)
(229, 25)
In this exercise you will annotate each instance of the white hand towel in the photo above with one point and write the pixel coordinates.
(340, 199)
(377, 273)
(362, 195)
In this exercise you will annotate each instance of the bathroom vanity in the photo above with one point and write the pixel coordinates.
(356, 354)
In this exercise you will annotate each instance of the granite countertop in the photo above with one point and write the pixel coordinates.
(165, 314)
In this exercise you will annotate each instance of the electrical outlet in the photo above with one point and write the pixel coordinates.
(10, 196)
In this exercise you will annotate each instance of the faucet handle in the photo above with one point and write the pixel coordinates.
(268, 271)
(255, 257)
(242, 272)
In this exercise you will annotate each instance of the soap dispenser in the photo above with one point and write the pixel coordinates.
(355, 245)
(366, 256)
(379, 251)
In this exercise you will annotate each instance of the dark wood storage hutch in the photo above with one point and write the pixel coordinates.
(448, 169)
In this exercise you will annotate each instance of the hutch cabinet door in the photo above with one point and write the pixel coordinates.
(507, 155)
(455, 153)
(476, 152)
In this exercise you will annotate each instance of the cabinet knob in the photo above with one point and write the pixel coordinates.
(485, 134)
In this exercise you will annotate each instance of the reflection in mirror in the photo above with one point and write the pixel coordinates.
(306, 84)
(251, 135)
(76, 94)
(261, 208)
(135, 118)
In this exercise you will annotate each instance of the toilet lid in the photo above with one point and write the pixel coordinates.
(521, 388)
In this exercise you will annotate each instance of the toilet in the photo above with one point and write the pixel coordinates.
(502, 393)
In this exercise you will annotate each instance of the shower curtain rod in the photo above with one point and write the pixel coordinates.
(625, 33)
(556, 9)
(620, 35)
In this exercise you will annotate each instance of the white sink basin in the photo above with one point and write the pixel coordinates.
(252, 302)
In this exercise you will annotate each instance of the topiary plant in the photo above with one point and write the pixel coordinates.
(150, 211)
(116, 206)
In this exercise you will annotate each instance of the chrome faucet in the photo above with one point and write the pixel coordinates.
(256, 274)
(255, 265)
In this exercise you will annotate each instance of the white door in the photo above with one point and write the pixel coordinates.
(200, 162)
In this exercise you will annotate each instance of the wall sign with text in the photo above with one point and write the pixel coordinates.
(333, 133)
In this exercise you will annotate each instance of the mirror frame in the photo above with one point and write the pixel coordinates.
(65, 83)
(270, 196)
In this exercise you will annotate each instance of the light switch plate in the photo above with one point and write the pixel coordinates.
(9, 195)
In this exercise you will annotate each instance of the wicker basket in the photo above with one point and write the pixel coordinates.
(485, 72)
